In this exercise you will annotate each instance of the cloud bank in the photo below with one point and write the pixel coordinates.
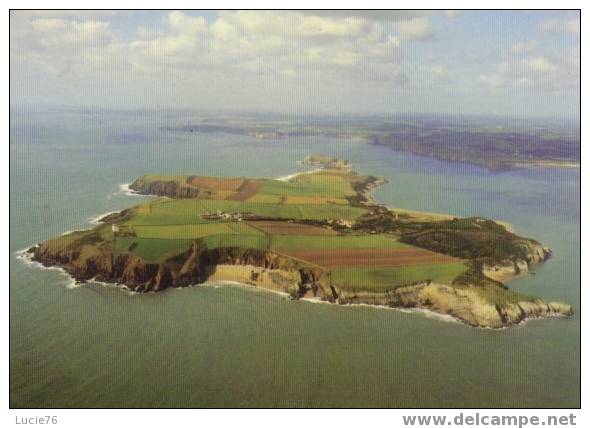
(281, 60)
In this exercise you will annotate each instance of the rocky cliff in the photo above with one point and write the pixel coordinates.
(469, 304)
(168, 188)
(512, 267)
(97, 261)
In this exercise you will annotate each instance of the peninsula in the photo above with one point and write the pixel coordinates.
(494, 143)
(318, 235)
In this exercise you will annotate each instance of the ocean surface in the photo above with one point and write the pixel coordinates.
(232, 346)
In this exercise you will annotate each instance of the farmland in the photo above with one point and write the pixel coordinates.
(191, 211)
(316, 235)
(296, 219)
(371, 257)
(287, 243)
(292, 218)
(280, 228)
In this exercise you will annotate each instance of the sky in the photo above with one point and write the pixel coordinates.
(523, 63)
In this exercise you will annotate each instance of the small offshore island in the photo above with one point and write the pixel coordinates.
(316, 235)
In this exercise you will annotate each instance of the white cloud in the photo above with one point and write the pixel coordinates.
(31, 36)
(371, 15)
(524, 47)
(492, 80)
(182, 23)
(291, 24)
(440, 73)
(540, 64)
(571, 26)
(59, 32)
(280, 43)
(364, 58)
(416, 29)
(64, 13)
(541, 73)
(184, 37)
(287, 43)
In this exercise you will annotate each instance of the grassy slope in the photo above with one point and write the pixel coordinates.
(259, 242)
(468, 238)
(152, 250)
(380, 279)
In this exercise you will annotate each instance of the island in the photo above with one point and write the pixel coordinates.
(327, 162)
(318, 235)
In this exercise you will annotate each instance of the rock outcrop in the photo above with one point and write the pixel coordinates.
(463, 303)
(168, 188)
(510, 268)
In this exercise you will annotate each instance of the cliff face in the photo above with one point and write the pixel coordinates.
(463, 303)
(169, 188)
(275, 272)
(510, 268)
(98, 262)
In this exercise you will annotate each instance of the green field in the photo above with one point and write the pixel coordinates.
(181, 231)
(152, 250)
(326, 181)
(381, 279)
(299, 242)
(165, 227)
(332, 186)
(259, 242)
(193, 231)
(189, 211)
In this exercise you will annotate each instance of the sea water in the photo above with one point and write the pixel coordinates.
(99, 346)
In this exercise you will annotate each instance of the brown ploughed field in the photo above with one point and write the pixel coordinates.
(215, 183)
(371, 257)
(246, 190)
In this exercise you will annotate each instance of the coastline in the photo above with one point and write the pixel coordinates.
(233, 275)
(226, 280)
(126, 190)
(548, 164)
(26, 257)
(498, 166)
(95, 220)
(464, 306)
